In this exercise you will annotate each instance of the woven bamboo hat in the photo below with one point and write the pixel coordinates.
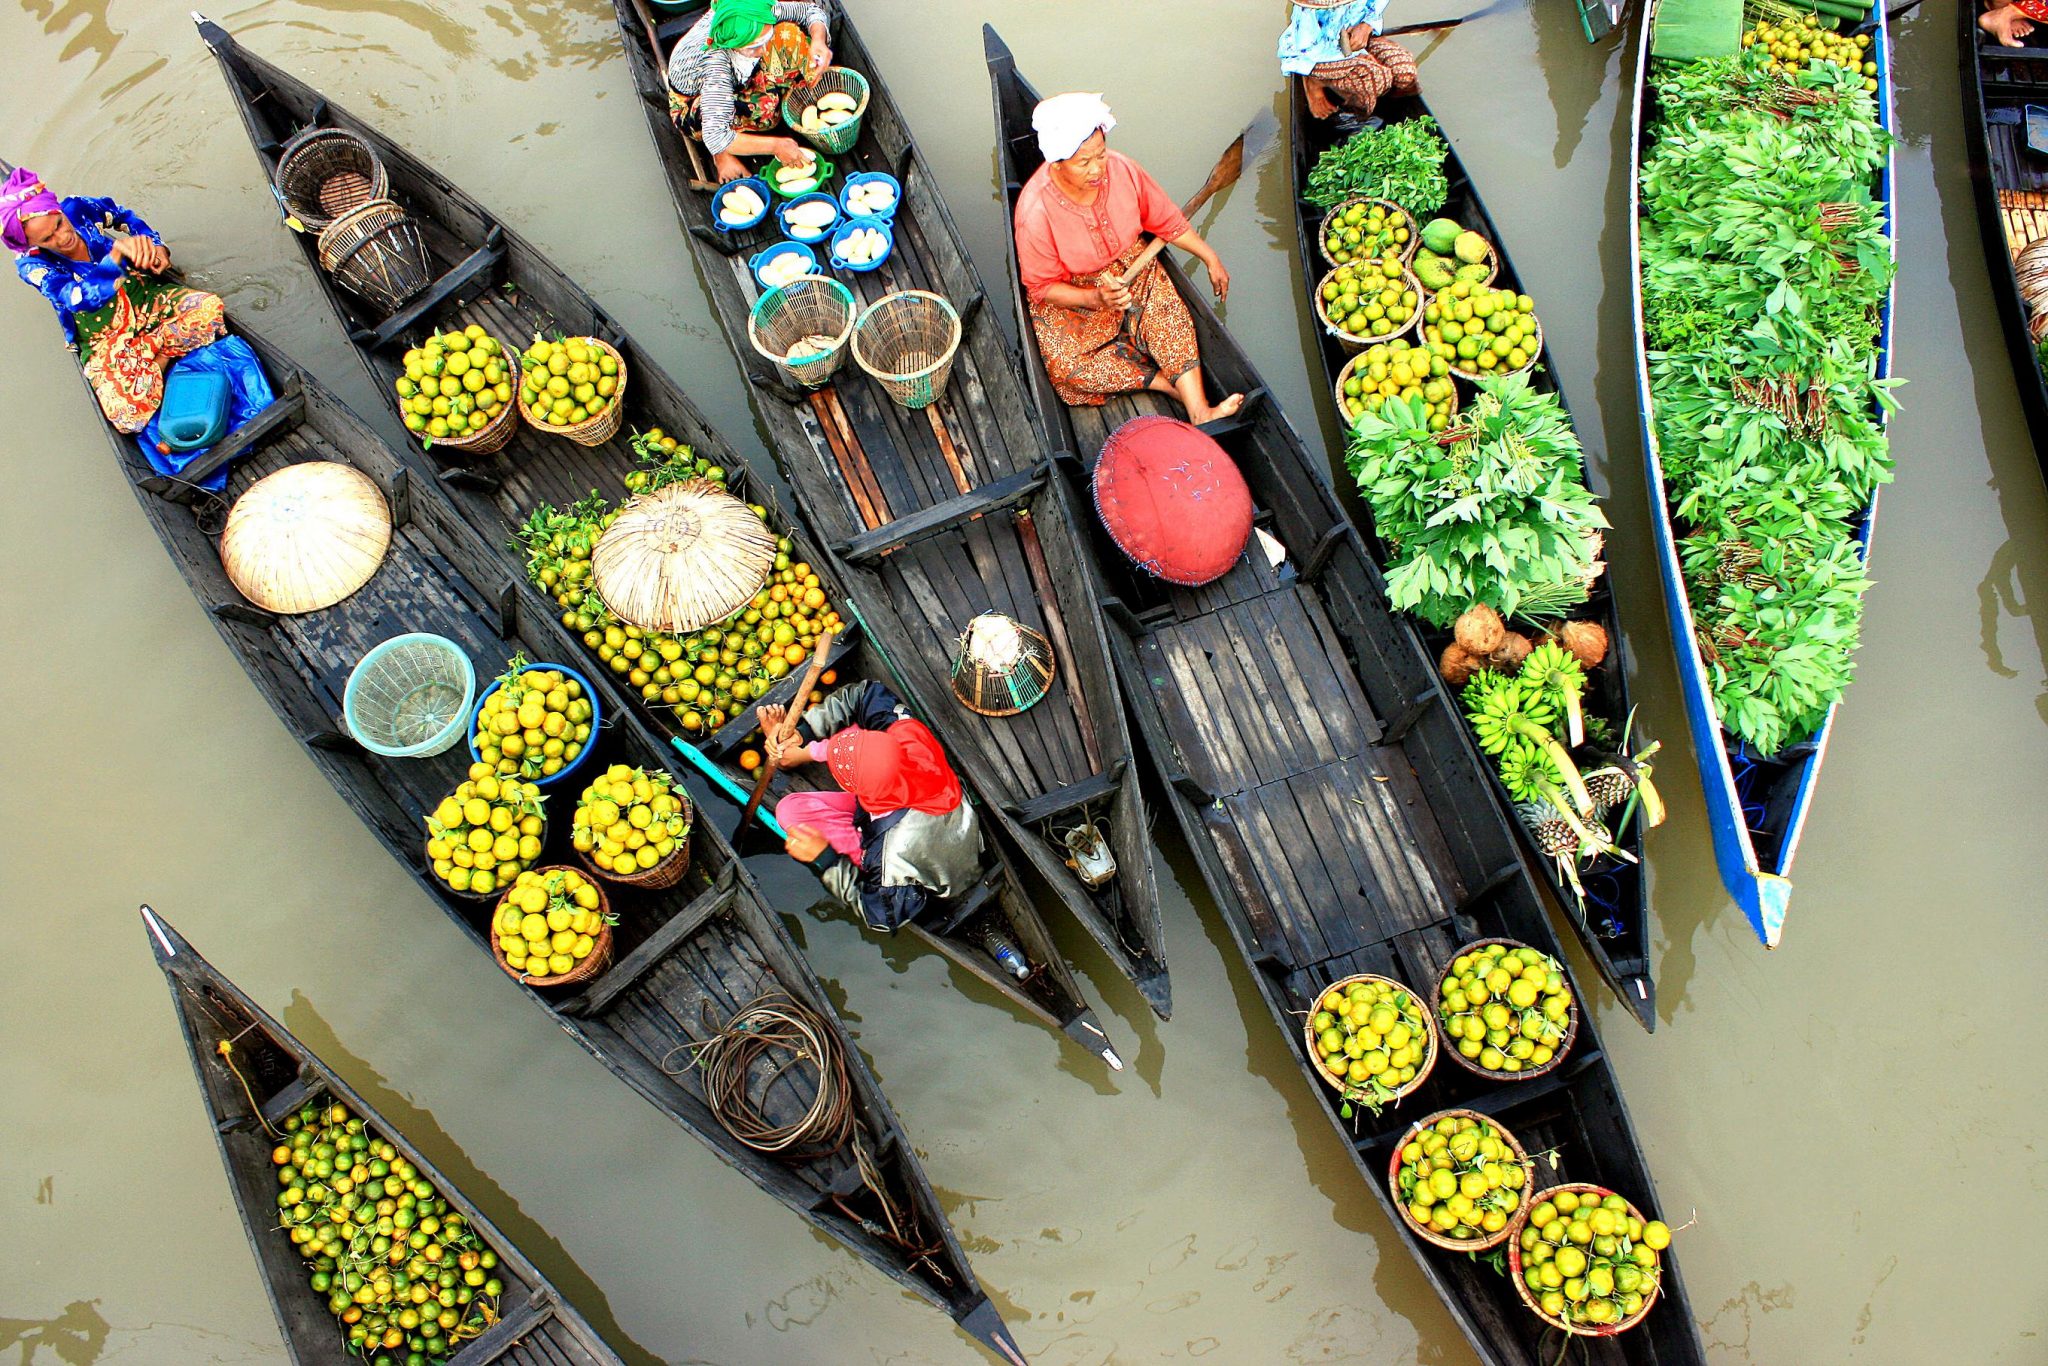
(682, 557)
(1001, 666)
(306, 536)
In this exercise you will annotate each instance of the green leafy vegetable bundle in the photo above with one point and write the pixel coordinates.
(1494, 510)
(1403, 162)
(1765, 267)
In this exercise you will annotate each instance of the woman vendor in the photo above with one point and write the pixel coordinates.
(729, 74)
(898, 831)
(1343, 63)
(97, 263)
(1081, 221)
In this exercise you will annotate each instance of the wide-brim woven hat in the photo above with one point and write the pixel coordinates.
(682, 557)
(306, 536)
(1001, 666)
(1173, 500)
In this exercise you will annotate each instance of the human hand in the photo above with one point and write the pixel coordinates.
(729, 167)
(1219, 278)
(769, 719)
(142, 253)
(804, 843)
(821, 56)
(1112, 294)
(793, 154)
(2006, 24)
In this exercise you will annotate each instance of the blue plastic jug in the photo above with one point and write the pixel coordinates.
(195, 409)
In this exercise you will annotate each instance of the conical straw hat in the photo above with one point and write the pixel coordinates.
(306, 537)
(1002, 666)
(682, 557)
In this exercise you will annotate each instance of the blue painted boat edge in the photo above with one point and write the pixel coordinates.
(1764, 894)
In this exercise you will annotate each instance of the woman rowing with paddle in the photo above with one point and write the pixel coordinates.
(1081, 222)
(729, 74)
(101, 267)
(898, 831)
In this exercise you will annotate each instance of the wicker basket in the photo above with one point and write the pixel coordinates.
(592, 431)
(1492, 265)
(1354, 343)
(808, 306)
(1347, 1089)
(323, 173)
(666, 873)
(1001, 667)
(1407, 253)
(495, 434)
(376, 251)
(1564, 1045)
(593, 963)
(906, 341)
(489, 898)
(1337, 390)
(1535, 355)
(1484, 1240)
(832, 79)
(1528, 1296)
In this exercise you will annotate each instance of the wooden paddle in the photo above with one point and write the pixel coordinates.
(770, 744)
(1433, 26)
(1229, 167)
(701, 179)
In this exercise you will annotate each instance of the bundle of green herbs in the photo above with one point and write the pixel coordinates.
(1494, 510)
(1403, 162)
(1765, 267)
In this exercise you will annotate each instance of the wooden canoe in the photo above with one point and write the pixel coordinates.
(537, 1326)
(937, 516)
(489, 274)
(685, 959)
(2000, 84)
(1756, 805)
(1612, 920)
(1325, 790)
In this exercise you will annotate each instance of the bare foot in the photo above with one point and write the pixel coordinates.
(1211, 413)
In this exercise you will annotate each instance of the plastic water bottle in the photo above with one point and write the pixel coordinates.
(1007, 953)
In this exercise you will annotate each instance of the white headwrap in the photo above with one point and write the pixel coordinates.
(1064, 122)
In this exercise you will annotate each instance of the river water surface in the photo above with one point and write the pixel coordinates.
(1853, 1116)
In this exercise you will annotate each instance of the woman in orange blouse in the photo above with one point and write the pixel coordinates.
(1081, 221)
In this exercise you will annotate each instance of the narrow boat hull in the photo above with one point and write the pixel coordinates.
(1754, 852)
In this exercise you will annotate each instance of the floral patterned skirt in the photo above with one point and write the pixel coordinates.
(1091, 353)
(1381, 67)
(127, 344)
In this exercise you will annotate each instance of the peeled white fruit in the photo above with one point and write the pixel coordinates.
(836, 101)
(832, 118)
(739, 205)
(780, 270)
(809, 121)
(803, 186)
(813, 217)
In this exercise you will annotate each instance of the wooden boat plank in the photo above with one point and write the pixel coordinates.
(1272, 867)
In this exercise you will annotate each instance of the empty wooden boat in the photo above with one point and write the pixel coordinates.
(1323, 784)
(939, 515)
(253, 1076)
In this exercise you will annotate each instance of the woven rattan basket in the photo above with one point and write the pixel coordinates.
(1344, 413)
(376, 251)
(833, 79)
(1348, 1089)
(489, 898)
(1353, 342)
(323, 173)
(1407, 251)
(1001, 667)
(810, 307)
(594, 962)
(906, 341)
(594, 430)
(1431, 1235)
(666, 873)
(1528, 1296)
(1564, 1045)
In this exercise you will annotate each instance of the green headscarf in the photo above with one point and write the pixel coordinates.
(739, 22)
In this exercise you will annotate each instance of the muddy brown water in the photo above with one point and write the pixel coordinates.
(1854, 1116)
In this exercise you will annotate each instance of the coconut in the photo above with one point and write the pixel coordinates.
(1457, 665)
(1586, 641)
(1513, 649)
(1479, 630)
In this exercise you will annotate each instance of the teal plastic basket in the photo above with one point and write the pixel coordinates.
(409, 697)
(808, 306)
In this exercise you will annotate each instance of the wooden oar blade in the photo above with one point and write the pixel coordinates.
(1230, 165)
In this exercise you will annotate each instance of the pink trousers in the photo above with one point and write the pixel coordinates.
(828, 813)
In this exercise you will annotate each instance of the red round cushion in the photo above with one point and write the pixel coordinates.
(1173, 500)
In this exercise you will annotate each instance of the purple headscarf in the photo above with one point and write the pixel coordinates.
(23, 197)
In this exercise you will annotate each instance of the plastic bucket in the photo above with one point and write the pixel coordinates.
(409, 698)
(596, 722)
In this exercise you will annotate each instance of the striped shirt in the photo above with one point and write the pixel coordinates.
(713, 74)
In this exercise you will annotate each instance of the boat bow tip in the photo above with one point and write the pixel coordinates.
(164, 941)
(992, 45)
(986, 1326)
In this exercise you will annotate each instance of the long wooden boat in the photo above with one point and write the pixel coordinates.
(686, 959)
(941, 515)
(488, 274)
(2000, 85)
(1757, 805)
(1325, 790)
(253, 1075)
(1612, 916)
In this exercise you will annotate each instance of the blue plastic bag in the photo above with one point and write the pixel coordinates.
(249, 393)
